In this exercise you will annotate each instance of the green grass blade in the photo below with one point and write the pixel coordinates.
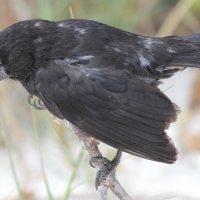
(68, 189)
(168, 88)
(67, 152)
(50, 196)
(71, 12)
(12, 164)
(81, 183)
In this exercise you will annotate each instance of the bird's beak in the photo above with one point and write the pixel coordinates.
(3, 74)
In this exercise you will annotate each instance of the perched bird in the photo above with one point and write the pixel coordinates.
(101, 79)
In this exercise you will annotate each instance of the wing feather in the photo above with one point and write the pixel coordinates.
(127, 114)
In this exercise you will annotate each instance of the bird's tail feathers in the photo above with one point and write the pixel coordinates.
(181, 52)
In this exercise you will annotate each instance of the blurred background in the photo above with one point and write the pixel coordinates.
(40, 159)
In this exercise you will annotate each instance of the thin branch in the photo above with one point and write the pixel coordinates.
(91, 146)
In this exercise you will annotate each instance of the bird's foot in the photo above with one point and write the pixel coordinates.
(37, 104)
(106, 167)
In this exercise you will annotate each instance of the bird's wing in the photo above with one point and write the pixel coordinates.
(127, 114)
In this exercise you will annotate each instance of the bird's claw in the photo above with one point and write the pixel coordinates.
(38, 104)
(103, 173)
(108, 167)
(95, 160)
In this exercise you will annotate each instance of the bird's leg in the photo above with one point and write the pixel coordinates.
(91, 146)
(107, 168)
(40, 105)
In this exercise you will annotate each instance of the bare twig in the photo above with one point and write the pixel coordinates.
(91, 146)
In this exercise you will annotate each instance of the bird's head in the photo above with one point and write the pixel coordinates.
(19, 44)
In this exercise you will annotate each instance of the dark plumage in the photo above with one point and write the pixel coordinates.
(101, 79)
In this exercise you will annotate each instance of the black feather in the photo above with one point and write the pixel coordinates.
(101, 79)
(131, 117)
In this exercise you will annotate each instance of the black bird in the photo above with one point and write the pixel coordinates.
(101, 79)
